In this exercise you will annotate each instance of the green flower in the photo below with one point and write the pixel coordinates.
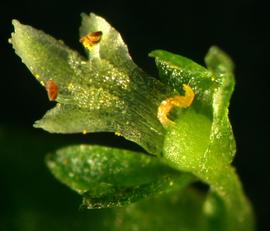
(108, 92)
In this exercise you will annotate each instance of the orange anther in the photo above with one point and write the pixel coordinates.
(52, 90)
(91, 39)
(177, 101)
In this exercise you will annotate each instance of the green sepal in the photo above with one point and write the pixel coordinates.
(176, 70)
(111, 177)
(101, 93)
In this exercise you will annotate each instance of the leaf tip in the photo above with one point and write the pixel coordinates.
(92, 14)
(216, 56)
(154, 53)
(83, 15)
(37, 124)
(15, 22)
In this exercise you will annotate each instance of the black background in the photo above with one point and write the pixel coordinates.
(189, 28)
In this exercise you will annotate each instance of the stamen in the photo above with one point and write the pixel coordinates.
(177, 101)
(52, 90)
(91, 39)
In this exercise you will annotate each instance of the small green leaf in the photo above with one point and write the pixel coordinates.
(109, 177)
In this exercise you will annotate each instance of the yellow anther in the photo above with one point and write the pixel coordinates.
(91, 39)
(177, 101)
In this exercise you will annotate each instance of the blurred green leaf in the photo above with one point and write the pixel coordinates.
(176, 211)
(31, 199)
(109, 177)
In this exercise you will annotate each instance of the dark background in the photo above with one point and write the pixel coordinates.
(189, 28)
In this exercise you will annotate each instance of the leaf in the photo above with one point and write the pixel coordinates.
(110, 177)
(99, 94)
